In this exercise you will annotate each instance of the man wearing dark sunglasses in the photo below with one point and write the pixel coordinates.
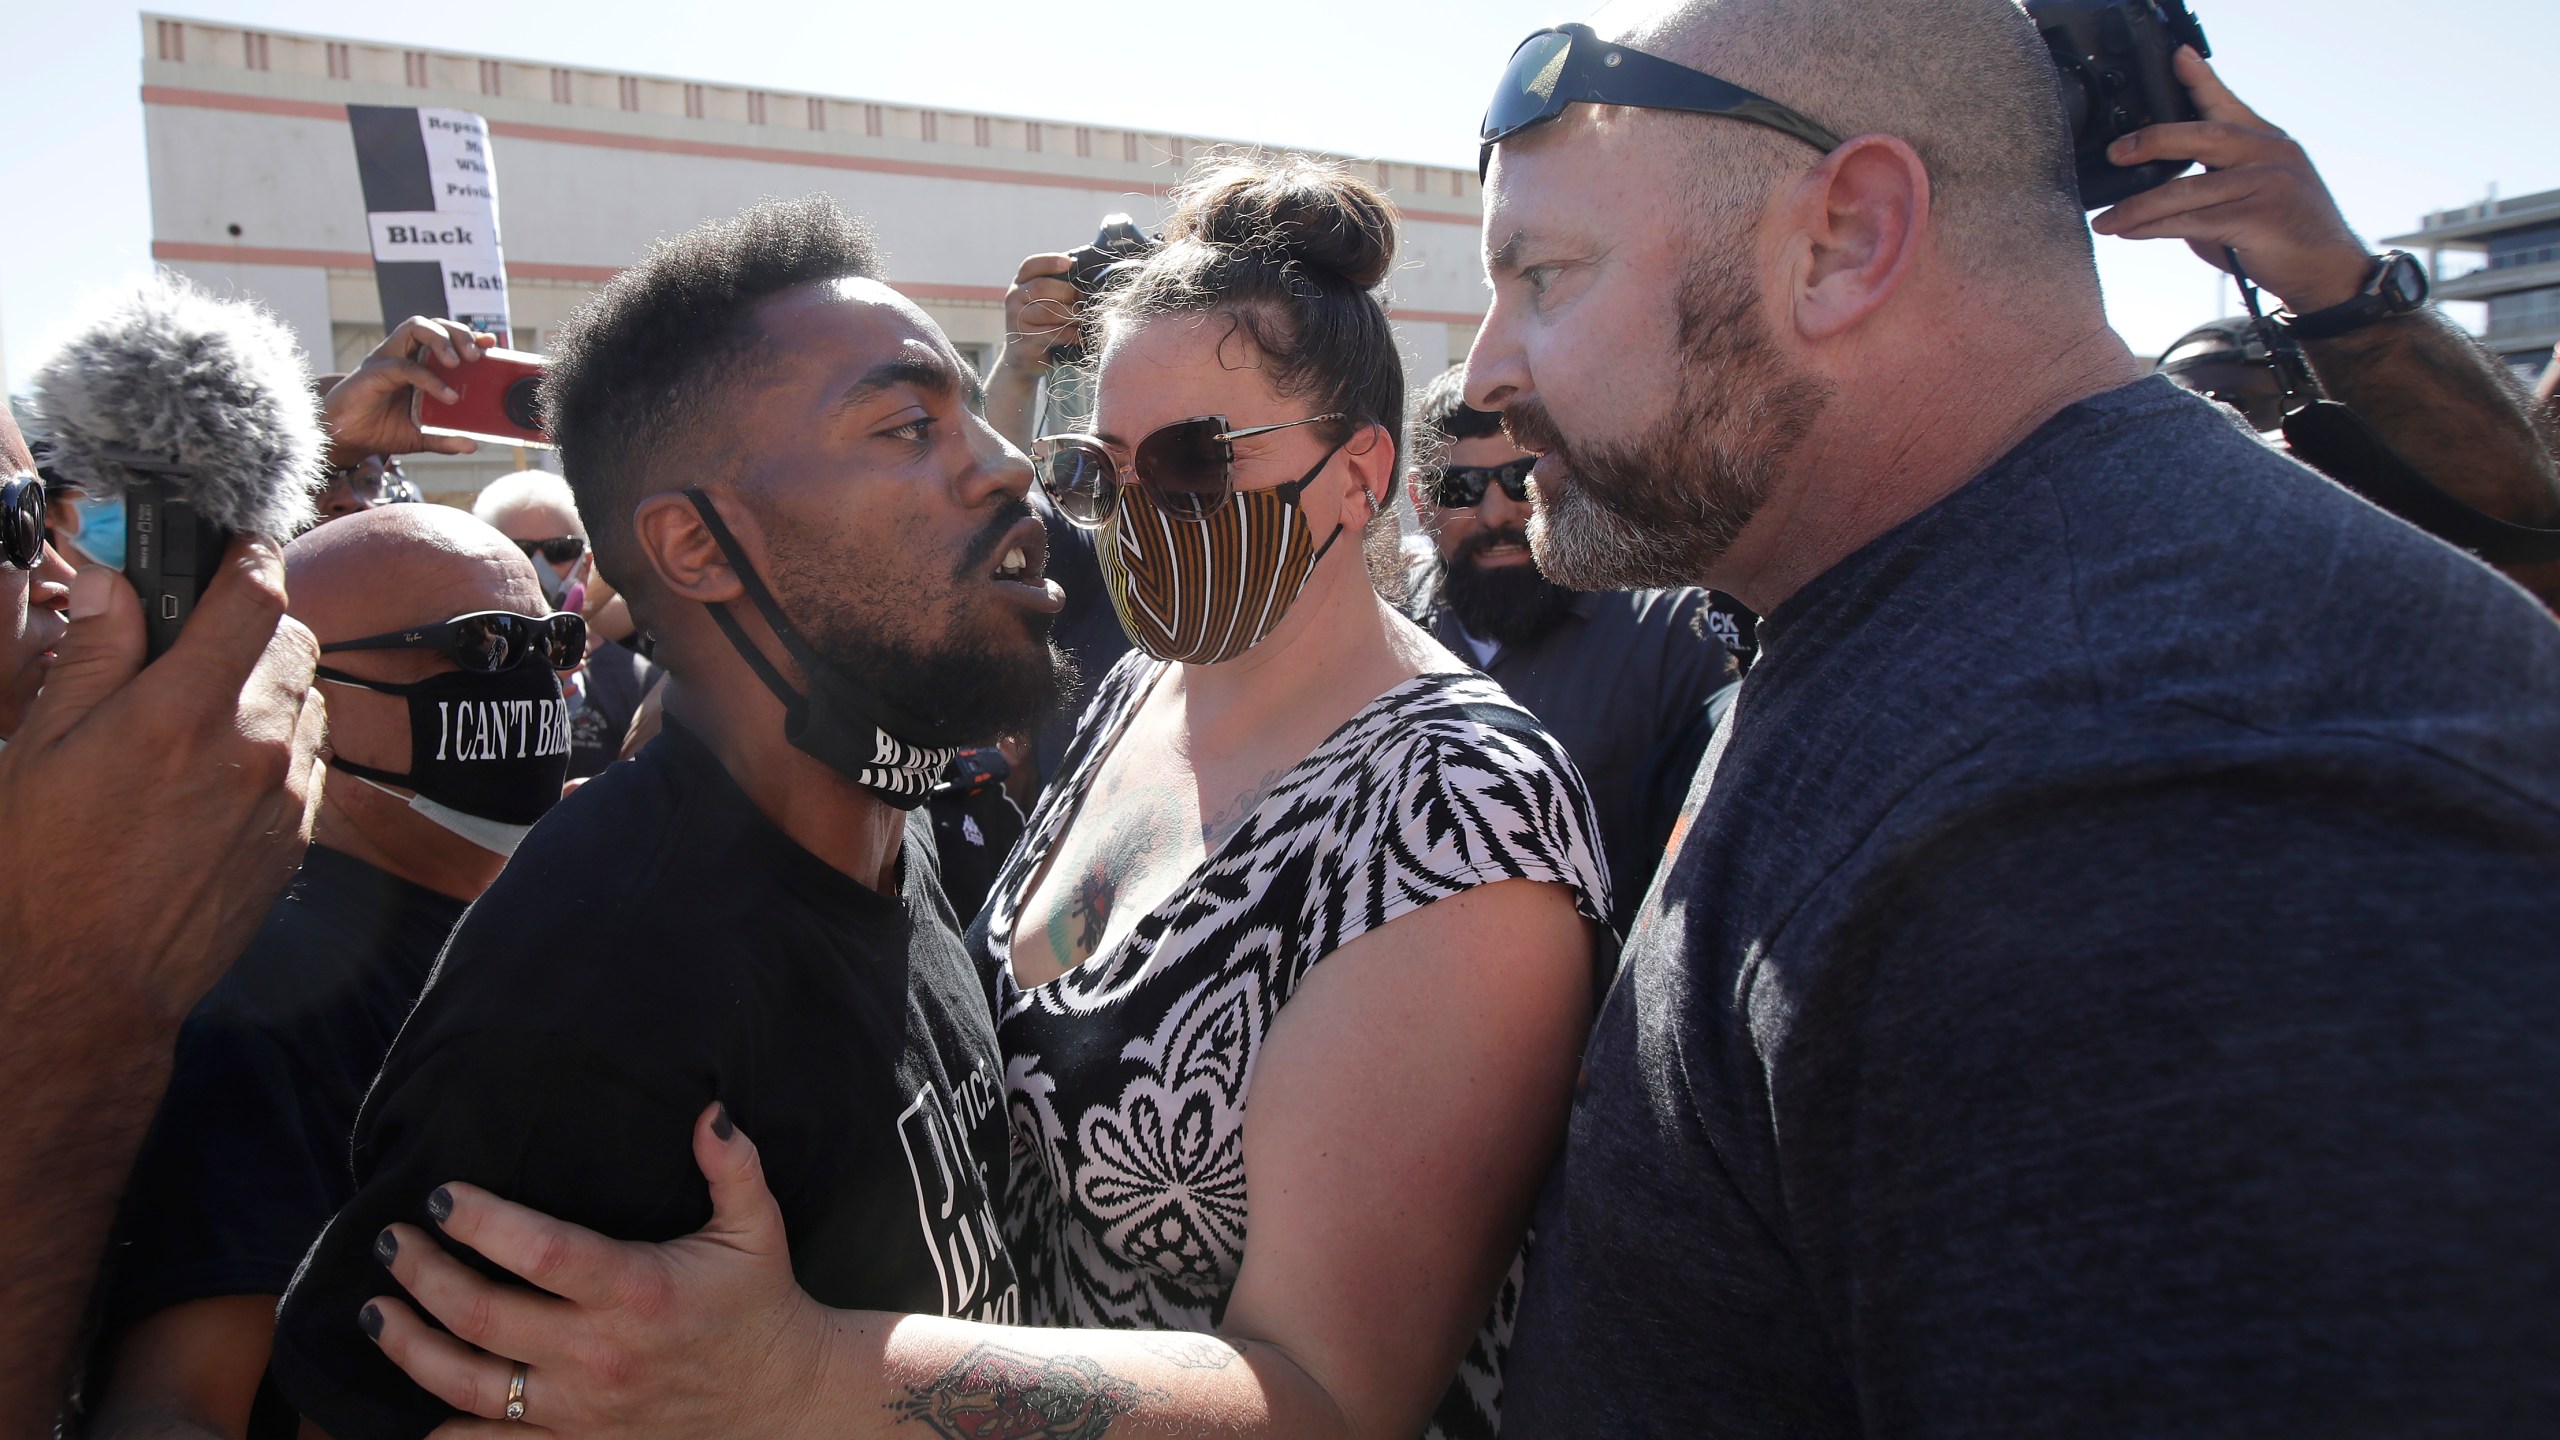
(35, 585)
(2080, 999)
(538, 511)
(433, 644)
(1624, 678)
(152, 812)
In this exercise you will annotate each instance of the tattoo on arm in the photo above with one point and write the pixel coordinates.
(1192, 1351)
(2451, 409)
(991, 1393)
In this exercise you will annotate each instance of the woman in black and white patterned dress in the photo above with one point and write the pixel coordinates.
(1310, 904)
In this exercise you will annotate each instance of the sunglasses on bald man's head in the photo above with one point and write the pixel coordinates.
(1462, 487)
(1572, 65)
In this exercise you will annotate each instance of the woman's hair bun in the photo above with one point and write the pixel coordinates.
(1291, 208)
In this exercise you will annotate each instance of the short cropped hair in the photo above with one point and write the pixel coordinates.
(635, 389)
(1968, 84)
(509, 493)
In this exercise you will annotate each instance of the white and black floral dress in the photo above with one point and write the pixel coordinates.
(1126, 1077)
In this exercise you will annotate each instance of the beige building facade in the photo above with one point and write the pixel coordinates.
(254, 187)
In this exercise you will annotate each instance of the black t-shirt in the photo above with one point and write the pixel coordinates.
(2105, 988)
(655, 944)
(247, 1157)
(615, 682)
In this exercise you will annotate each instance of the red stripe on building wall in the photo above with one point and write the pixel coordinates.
(607, 140)
(201, 253)
(540, 270)
(1442, 317)
(245, 104)
(259, 255)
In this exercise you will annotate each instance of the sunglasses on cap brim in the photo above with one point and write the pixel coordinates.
(1572, 65)
(1462, 487)
(1188, 468)
(488, 641)
(22, 528)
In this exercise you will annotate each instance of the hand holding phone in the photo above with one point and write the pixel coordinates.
(498, 398)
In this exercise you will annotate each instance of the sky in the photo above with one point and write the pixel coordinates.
(2404, 109)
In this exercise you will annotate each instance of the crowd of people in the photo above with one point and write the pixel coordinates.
(1797, 846)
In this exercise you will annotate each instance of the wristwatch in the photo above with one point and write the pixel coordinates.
(2397, 286)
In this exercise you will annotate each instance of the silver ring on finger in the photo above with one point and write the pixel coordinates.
(515, 1393)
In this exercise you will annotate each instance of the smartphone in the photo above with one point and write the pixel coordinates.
(500, 401)
(170, 554)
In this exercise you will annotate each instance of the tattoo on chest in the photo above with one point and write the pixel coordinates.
(991, 1393)
(1215, 830)
(1128, 829)
(1090, 907)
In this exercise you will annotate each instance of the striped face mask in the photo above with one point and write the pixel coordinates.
(1204, 590)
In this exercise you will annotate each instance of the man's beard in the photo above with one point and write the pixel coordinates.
(1660, 509)
(964, 689)
(1507, 604)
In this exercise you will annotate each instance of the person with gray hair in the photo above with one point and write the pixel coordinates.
(2083, 999)
(538, 512)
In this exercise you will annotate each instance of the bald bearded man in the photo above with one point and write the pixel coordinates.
(247, 1158)
(2084, 1000)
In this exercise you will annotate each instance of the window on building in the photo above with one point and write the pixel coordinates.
(873, 122)
(253, 49)
(630, 92)
(342, 65)
(755, 107)
(563, 91)
(1129, 147)
(817, 113)
(493, 78)
(2537, 246)
(932, 126)
(1084, 142)
(173, 41)
(413, 68)
(2524, 312)
(693, 102)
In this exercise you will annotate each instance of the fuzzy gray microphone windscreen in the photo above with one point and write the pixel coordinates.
(210, 394)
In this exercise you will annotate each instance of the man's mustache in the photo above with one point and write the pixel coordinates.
(1484, 539)
(978, 558)
(1533, 429)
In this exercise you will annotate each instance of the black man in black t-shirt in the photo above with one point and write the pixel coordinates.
(781, 467)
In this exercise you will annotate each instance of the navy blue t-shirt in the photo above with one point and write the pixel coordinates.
(2108, 983)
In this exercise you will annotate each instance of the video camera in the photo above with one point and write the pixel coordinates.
(2114, 58)
(1119, 239)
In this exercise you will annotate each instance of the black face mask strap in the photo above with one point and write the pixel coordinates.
(765, 605)
(368, 772)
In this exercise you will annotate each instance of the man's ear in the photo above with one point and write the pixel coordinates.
(681, 552)
(1864, 215)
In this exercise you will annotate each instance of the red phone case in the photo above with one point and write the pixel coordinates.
(497, 402)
